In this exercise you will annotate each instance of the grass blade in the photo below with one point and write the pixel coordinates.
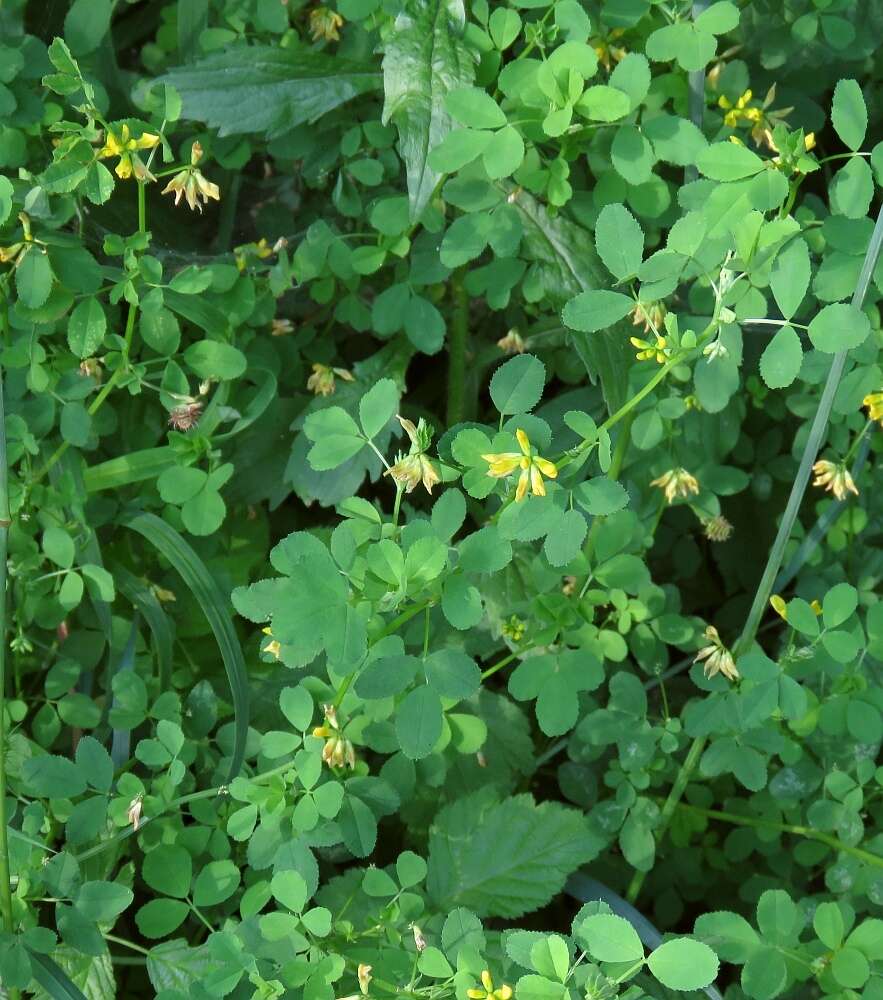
(141, 597)
(216, 608)
(121, 739)
(132, 468)
(53, 978)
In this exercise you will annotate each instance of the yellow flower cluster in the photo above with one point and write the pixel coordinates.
(123, 145)
(533, 467)
(487, 992)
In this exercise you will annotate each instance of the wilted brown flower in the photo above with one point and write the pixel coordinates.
(676, 483)
(835, 478)
(718, 659)
(324, 24)
(186, 416)
(717, 529)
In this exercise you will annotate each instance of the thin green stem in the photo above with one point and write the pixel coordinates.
(126, 943)
(867, 857)
(616, 463)
(397, 506)
(5, 889)
(459, 334)
(674, 796)
(504, 662)
(183, 800)
(810, 453)
(142, 207)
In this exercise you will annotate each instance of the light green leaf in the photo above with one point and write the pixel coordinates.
(517, 385)
(619, 241)
(849, 114)
(257, 88)
(781, 359)
(419, 722)
(424, 60)
(838, 327)
(726, 161)
(610, 938)
(596, 310)
(684, 964)
(378, 406)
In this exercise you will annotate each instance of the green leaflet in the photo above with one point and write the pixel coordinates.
(424, 60)
(565, 255)
(216, 607)
(270, 90)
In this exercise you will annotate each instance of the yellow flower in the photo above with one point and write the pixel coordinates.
(874, 403)
(281, 328)
(718, 659)
(364, 976)
(514, 628)
(487, 991)
(191, 184)
(777, 603)
(835, 478)
(324, 24)
(648, 350)
(532, 467)
(272, 647)
(676, 483)
(734, 111)
(126, 148)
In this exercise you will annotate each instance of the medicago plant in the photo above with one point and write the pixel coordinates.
(439, 509)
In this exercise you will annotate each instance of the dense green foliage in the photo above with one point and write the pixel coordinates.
(414, 582)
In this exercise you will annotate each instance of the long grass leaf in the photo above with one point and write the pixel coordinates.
(54, 980)
(159, 623)
(121, 739)
(132, 468)
(216, 608)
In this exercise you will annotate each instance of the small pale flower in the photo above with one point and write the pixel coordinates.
(532, 467)
(92, 368)
(134, 813)
(419, 939)
(411, 470)
(190, 184)
(676, 483)
(717, 529)
(325, 24)
(323, 380)
(487, 991)
(874, 403)
(338, 750)
(512, 343)
(650, 315)
(122, 144)
(834, 477)
(281, 327)
(414, 468)
(364, 976)
(717, 658)
(186, 416)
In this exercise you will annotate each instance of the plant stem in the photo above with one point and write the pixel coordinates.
(807, 459)
(182, 800)
(874, 860)
(616, 463)
(142, 207)
(459, 333)
(671, 803)
(5, 890)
